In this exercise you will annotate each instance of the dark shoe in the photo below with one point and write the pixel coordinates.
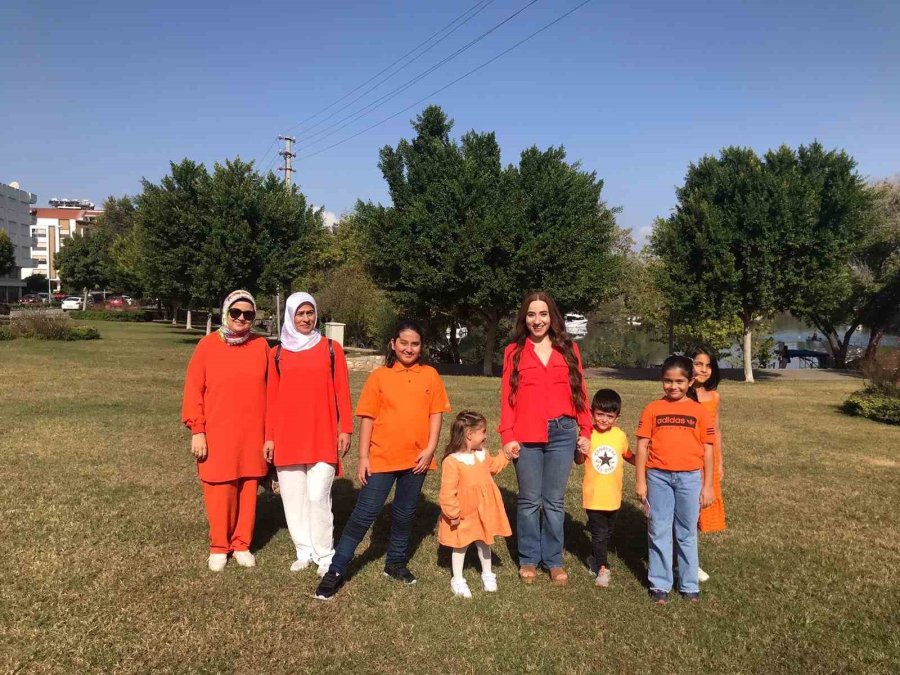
(658, 596)
(330, 584)
(693, 597)
(399, 572)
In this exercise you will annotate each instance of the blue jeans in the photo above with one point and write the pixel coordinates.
(543, 471)
(369, 503)
(674, 498)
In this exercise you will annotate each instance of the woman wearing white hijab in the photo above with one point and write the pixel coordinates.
(308, 425)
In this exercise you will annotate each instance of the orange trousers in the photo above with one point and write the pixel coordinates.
(231, 511)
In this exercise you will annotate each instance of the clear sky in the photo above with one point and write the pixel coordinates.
(96, 95)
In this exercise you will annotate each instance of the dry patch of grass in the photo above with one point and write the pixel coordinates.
(105, 542)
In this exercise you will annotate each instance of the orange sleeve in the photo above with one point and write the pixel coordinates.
(273, 381)
(627, 454)
(496, 463)
(448, 498)
(342, 390)
(369, 403)
(193, 413)
(440, 403)
(507, 412)
(707, 427)
(645, 426)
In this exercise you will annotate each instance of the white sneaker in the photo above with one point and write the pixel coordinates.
(701, 575)
(244, 558)
(298, 565)
(460, 588)
(489, 582)
(217, 561)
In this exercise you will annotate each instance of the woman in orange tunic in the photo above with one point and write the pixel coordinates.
(309, 421)
(225, 408)
(706, 383)
(471, 506)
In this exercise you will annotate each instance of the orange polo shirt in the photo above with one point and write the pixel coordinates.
(401, 401)
(677, 433)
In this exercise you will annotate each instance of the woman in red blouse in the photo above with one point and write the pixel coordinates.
(308, 428)
(543, 418)
(225, 409)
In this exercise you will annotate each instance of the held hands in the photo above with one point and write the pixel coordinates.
(511, 450)
(707, 496)
(269, 451)
(198, 446)
(343, 444)
(423, 461)
(584, 446)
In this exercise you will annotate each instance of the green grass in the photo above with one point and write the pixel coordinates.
(104, 545)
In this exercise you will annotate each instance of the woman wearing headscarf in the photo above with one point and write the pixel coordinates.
(225, 409)
(309, 421)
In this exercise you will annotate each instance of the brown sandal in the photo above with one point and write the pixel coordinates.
(527, 573)
(558, 576)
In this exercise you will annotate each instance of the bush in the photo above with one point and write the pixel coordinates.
(111, 315)
(42, 326)
(5, 333)
(874, 404)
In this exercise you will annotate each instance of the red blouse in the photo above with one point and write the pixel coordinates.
(303, 405)
(543, 394)
(225, 397)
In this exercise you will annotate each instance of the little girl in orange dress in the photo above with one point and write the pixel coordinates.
(471, 506)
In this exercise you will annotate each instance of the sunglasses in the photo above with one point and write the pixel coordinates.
(236, 313)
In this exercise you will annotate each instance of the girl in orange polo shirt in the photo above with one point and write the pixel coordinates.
(674, 478)
(401, 408)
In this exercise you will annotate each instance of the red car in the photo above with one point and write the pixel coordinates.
(30, 300)
(116, 302)
(60, 296)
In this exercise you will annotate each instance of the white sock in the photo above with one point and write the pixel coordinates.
(457, 559)
(484, 556)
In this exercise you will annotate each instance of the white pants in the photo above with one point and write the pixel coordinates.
(306, 496)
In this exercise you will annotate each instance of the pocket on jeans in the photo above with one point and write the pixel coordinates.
(567, 423)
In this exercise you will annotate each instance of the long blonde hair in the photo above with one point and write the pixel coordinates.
(465, 421)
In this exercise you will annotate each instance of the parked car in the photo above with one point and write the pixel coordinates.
(128, 299)
(73, 302)
(576, 324)
(59, 296)
(44, 297)
(116, 302)
(30, 299)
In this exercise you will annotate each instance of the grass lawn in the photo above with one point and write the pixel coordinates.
(104, 544)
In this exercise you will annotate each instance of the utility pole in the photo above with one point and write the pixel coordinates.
(288, 154)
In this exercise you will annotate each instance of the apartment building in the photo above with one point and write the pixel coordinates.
(53, 224)
(16, 220)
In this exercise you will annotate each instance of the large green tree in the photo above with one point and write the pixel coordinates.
(83, 261)
(7, 254)
(466, 238)
(877, 265)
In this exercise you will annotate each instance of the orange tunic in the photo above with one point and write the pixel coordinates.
(225, 397)
(712, 518)
(304, 405)
(468, 492)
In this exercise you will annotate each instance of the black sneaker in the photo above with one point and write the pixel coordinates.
(658, 596)
(330, 584)
(693, 597)
(399, 572)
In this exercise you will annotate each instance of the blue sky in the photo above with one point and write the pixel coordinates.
(97, 95)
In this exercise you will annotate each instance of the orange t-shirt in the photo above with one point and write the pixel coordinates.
(401, 401)
(677, 433)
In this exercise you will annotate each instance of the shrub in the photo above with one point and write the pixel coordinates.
(5, 333)
(875, 405)
(110, 315)
(42, 326)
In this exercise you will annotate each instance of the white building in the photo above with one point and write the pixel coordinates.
(52, 224)
(16, 220)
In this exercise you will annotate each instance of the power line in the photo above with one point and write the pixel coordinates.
(450, 84)
(478, 7)
(377, 103)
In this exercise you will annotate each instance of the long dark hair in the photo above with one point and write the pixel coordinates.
(466, 420)
(390, 358)
(558, 337)
(684, 364)
(714, 376)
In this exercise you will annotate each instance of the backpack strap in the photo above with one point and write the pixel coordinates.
(278, 359)
(331, 356)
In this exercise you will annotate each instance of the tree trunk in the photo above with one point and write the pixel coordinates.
(187, 323)
(875, 335)
(174, 313)
(209, 320)
(492, 321)
(454, 342)
(85, 305)
(748, 350)
(670, 326)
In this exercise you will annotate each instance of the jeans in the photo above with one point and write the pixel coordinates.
(543, 471)
(674, 498)
(369, 503)
(601, 524)
(306, 496)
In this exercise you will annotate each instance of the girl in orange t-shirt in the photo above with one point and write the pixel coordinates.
(401, 407)
(471, 506)
(706, 384)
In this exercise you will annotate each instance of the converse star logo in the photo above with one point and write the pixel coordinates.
(604, 459)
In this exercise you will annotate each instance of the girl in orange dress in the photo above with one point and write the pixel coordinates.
(706, 383)
(471, 505)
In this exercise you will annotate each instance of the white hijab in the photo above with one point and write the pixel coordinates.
(291, 338)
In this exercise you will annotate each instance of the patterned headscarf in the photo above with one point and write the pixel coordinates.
(232, 337)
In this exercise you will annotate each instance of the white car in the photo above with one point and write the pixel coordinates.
(73, 302)
(576, 324)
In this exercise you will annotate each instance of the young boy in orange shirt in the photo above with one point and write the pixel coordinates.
(603, 475)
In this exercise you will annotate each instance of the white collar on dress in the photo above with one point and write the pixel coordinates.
(468, 458)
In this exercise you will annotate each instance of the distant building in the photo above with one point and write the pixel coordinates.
(16, 220)
(52, 225)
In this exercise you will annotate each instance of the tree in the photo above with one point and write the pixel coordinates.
(466, 238)
(7, 254)
(877, 264)
(36, 283)
(83, 261)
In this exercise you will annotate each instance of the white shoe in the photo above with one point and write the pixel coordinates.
(701, 575)
(460, 588)
(322, 570)
(217, 561)
(298, 565)
(489, 582)
(244, 558)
